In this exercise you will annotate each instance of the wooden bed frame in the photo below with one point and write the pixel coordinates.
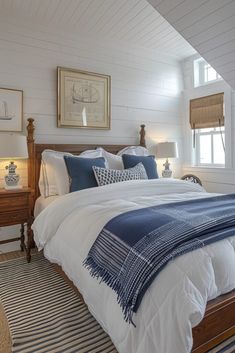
(218, 323)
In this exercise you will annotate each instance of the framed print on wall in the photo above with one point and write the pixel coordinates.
(83, 99)
(11, 109)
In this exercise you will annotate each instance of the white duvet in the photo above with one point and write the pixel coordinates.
(176, 300)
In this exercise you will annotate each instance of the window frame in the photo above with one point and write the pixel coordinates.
(191, 92)
(197, 150)
(199, 73)
(206, 67)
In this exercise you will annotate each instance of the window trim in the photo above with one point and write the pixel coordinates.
(191, 92)
(199, 73)
(206, 67)
(197, 149)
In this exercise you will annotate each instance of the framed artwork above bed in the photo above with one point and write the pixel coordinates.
(83, 99)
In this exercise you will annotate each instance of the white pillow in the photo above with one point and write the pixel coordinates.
(113, 161)
(134, 150)
(91, 153)
(54, 178)
(52, 167)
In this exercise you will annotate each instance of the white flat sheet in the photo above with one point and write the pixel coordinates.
(177, 298)
(43, 202)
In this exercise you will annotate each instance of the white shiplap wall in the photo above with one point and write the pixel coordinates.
(146, 85)
(220, 180)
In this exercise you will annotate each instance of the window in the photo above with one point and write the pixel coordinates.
(206, 117)
(204, 73)
(209, 146)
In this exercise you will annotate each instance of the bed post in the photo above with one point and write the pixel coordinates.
(31, 183)
(31, 160)
(142, 135)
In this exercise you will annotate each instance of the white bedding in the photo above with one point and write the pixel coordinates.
(43, 202)
(176, 300)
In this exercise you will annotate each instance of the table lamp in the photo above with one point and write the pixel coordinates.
(12, 147)
(167, 150)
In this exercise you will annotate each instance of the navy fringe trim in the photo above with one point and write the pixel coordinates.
(98, 272)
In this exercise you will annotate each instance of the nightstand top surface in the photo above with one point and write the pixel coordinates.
(14, 191)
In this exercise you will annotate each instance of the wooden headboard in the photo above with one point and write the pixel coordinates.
(35, 151)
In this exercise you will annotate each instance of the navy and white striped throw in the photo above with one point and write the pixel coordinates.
(135, 246)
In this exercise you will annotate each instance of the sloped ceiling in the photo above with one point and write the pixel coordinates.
(132, 22)
(209, 26)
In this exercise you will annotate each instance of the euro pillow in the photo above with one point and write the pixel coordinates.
(109, 176)
(81, 173)
(54, 178)
(91, 153)
(113, 161)
(148, 162)
(134, 150)
(52, 165)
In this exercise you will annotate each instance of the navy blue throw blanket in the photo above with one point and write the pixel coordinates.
(135, 246)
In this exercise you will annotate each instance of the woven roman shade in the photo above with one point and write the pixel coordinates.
(207, 112)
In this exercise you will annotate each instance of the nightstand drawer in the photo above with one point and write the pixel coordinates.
(13, 217)
(14, 202)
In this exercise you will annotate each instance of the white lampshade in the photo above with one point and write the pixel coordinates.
(13, 146)
(167, 150)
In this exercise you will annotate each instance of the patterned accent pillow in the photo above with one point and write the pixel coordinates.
(109, 176)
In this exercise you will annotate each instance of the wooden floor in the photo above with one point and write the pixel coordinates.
(11, 255)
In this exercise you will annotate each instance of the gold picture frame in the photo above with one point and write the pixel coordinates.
(83, 99)
(11, 109)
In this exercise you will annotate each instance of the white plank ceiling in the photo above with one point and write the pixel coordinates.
(132, 22)
(209, 26)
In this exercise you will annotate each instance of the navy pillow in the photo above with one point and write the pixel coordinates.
(130, 161)
(81, 172)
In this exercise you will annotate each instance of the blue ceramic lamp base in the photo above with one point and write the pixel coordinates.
(167, 173)
(12, 179)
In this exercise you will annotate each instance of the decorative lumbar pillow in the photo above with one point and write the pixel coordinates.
(134, 150)
(81, 173)
(113, 161)
(148, 162)
(109, 176)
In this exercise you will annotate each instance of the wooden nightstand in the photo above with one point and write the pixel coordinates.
(15, 209)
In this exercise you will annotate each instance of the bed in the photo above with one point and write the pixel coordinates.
(211, 324)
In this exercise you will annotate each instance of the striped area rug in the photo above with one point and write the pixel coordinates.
(44, 313)
(225, 347)
(46, 316)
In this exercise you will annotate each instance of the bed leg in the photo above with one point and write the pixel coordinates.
(29, 241)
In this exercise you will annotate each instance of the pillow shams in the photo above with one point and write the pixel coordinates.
(148, 162)
(109, 176)
(54, 178)
(63, 179)
(113, 161)
(81, 172)
(52, 166)
(134, 150)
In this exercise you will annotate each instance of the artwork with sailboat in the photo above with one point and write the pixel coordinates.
(11, 109)
(83, 100)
